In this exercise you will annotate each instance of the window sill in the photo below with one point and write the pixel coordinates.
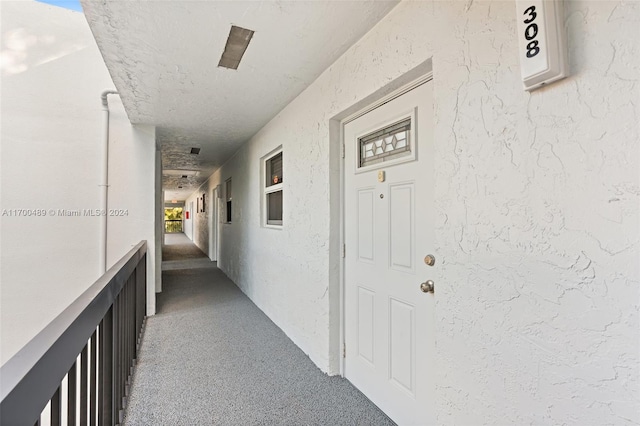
(272, 226)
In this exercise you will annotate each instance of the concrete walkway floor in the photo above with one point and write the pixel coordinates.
(211, 357)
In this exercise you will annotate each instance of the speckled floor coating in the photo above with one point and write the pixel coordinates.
(179, 248)
(211, 357)
(180, 253)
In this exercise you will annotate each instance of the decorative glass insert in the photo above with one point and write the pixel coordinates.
(385, 144)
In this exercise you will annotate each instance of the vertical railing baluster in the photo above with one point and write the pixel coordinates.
(118, 357)
(125, 343)
(132, 319)
(129, 334)
(121, 354)
(139, 312)
(92, 380)
(132, 324)
(56, 409)
(118, 360)
(114, 361)
(106, 370)
(123, 373)
(84, 370)
(71, 394)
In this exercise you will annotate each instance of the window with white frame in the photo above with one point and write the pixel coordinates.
(272, 189)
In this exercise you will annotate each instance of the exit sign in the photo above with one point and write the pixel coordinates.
(542, 42)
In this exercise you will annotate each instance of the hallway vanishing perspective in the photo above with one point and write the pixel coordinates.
(210, 356)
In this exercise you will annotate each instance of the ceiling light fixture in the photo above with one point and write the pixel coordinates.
(195, 151)
(237, 44)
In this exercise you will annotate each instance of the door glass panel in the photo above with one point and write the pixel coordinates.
(385, 144)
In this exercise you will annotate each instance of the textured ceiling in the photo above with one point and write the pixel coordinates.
(163, 56)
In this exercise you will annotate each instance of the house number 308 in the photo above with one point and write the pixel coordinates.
(531, 31)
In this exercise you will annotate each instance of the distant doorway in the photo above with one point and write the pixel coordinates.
(213, 224)
(173, 220)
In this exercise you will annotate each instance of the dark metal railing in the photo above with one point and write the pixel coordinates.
(173, 225)
(81, 363)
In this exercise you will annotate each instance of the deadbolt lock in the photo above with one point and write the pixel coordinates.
(430, 260)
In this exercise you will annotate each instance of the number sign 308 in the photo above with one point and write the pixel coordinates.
(531, 31)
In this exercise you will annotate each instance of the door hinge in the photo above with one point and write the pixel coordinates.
(344, 350)
(342, 150)
(344, 251)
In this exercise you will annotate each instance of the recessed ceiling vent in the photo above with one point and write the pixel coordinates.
(180, 172)
(195, 151)
(237, 43)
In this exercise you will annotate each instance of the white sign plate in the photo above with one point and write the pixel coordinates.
(541, 38)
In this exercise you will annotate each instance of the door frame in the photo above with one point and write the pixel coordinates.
(213, 226)
(425, 78)
(192, 219)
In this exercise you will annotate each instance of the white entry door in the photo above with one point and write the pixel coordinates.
(389, 318)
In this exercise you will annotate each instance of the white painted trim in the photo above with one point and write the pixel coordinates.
(393, 95)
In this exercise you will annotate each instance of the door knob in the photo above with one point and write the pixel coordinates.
(427, 286)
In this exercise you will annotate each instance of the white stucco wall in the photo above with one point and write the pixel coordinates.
(133, 196)
(537, 195)
(50, 144)
(537, 198)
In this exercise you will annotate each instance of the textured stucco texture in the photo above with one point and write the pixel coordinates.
(536, 201)
(164, 54)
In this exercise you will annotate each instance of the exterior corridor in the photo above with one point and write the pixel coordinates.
(210, 356)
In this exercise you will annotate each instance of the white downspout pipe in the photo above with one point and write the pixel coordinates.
(104, 182)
